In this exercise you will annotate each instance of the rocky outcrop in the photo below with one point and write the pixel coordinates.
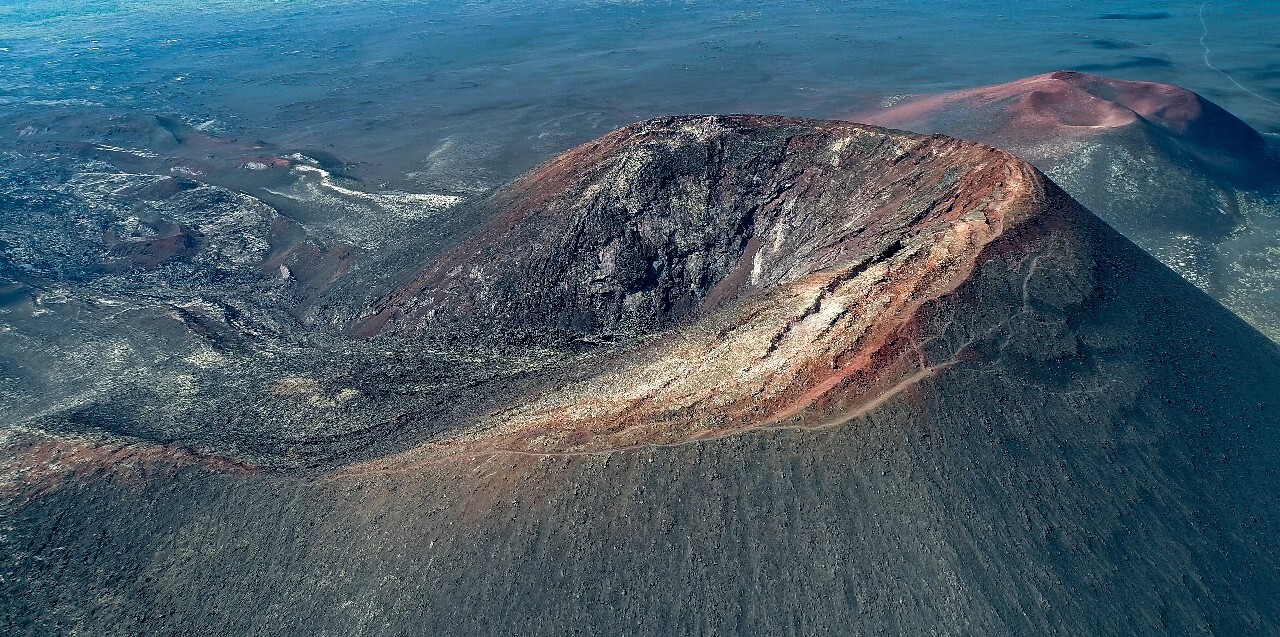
(674, 217)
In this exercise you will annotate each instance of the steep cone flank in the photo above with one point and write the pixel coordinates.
(866, 382)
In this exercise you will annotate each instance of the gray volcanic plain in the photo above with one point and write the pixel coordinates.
(703, 375)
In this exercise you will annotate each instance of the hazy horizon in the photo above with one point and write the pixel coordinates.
(463, 95)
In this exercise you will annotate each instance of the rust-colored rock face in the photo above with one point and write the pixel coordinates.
(39, 465)
(670, 218)
(792, 255)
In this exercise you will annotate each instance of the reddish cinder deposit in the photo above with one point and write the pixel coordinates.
(1070, 104)
(171, 241)
(793, 286)
(41, 463)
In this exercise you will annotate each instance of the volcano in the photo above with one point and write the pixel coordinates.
(1067, 104)
(1179, 175)
(806, 377)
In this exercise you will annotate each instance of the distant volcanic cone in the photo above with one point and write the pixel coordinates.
(1025, 113)
(1186, 180)
(830, 379)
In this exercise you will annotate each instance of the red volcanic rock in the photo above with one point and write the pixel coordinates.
(669, 218)
(38, 465)
(1067, 103)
